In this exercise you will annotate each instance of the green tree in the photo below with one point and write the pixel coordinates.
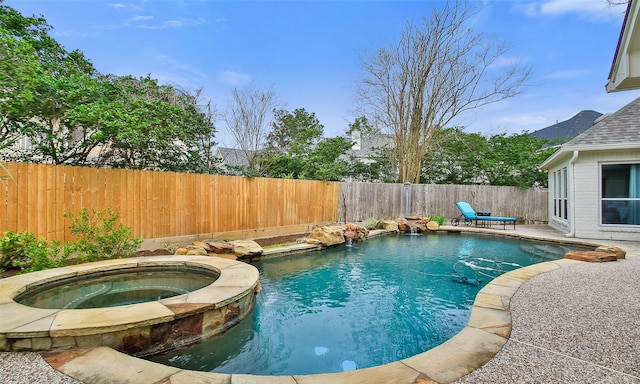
(294, 132)
(471, 158)
(514, 160)
(296, 149)
(74, 115)
(152, 126)
(455, 158)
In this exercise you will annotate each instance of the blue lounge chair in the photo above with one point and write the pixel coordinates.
(471, 215)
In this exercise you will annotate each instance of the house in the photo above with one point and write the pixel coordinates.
(569, 128)
(594, 179)
(233, 160)
(366, 146)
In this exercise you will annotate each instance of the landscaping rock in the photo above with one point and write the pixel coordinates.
(246, 248)
(388, 225)
(591, 256)
(405, 224)
(355, 232)
(202, 244)
(619, 252)
(328, 235)
(433, 226)
(221, 247)
(197, 251)
(191, 250)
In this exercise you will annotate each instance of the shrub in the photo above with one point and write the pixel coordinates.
(14, 248)
(437, 218)
(24, 250)
(370, 224)
(100, 237)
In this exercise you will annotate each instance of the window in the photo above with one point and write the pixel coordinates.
(560, 193)
(620, 194)
(24, 143)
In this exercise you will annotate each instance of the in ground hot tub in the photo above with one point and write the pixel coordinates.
(160, 316)
(118, 287)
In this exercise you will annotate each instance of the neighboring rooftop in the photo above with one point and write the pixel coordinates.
(570, 128)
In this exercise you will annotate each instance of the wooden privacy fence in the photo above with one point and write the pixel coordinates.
(362, 201)
(167, 204)
(158, 204)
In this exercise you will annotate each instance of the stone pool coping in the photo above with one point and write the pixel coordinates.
(487, 331)
(24, 328)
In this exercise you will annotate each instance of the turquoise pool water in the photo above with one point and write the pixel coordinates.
(373, 303)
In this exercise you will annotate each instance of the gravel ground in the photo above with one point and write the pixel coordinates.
(579, 324)
(29, 367)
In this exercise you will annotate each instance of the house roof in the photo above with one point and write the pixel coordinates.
(570, 128)
(625, 66)
(620, 130)
(232, 157)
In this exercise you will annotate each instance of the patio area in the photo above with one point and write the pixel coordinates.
(574, 322)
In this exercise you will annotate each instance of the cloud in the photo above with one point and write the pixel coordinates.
(521, 120)
(123, 6)
(595, 10)
(568, 74)
(234, 78)
(507, 61)
(141, 18)
(173, 23)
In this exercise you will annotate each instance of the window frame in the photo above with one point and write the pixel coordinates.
(601, 190)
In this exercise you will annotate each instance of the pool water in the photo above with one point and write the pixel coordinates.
(373, 303)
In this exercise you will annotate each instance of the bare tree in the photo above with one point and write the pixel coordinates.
(248, 118)
(434, 72)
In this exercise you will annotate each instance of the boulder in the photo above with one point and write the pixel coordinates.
(591, 256)
(191, 250)
(405, 224)
(246, 248)
(388, 225)
(202, 244)
(328, 235)
(220, 247)
(433, 226)
(619, 252)
(355, 232)
(311, 241)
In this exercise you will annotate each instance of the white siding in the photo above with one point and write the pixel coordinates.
(556, 222)
(586, 196)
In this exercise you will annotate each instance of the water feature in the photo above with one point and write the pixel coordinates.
(413, 231)
(116, 288)
(346, 308)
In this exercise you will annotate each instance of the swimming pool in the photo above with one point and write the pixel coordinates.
(355, 307)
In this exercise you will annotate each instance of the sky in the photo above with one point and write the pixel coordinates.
(309, 52)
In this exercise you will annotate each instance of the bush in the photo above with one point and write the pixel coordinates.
(24, 250)
(100, 238)
(14, 248)
(370, 224)
(437, 218)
